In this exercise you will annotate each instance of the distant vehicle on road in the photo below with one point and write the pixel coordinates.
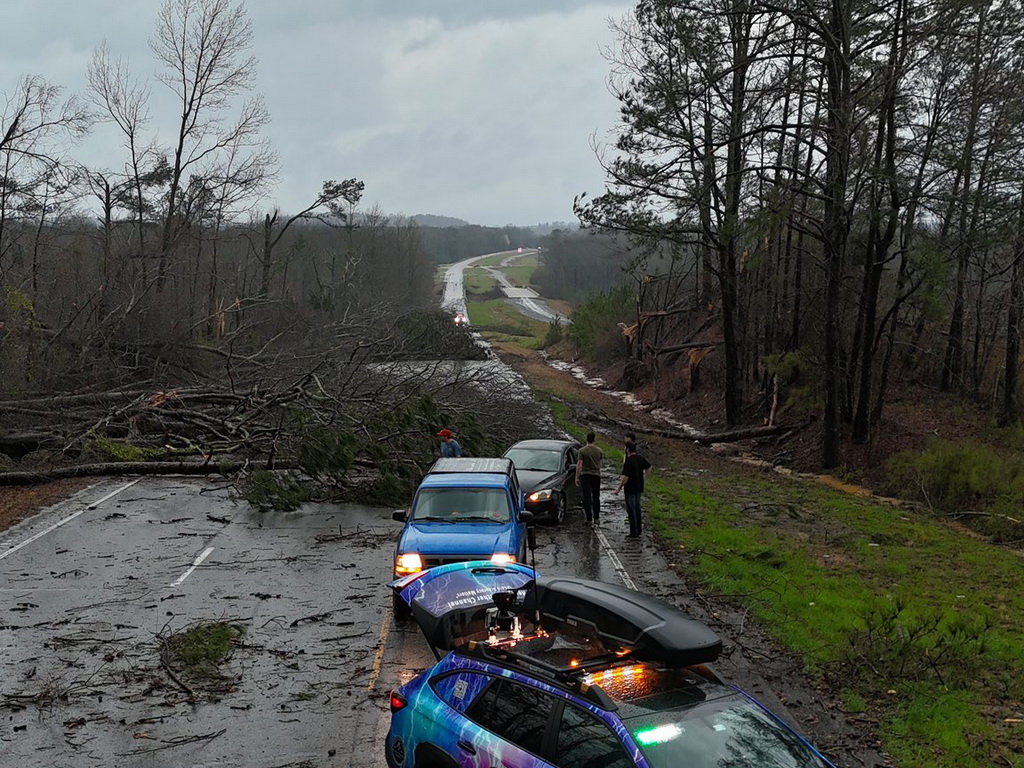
(547, 473)
(544, 672)
(460, 319)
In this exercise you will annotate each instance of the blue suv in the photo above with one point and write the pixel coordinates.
(464, 509)
(571, 673)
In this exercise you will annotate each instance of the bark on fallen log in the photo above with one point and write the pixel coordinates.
(705, 438)
(127, 468)
(224, 468)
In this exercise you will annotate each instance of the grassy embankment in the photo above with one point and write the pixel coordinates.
(915, 623)
(488, 313)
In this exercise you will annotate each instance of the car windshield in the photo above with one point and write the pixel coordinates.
(720, 733)
(474, 505)
(534, 458)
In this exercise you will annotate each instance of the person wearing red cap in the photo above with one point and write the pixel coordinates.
(450, 447)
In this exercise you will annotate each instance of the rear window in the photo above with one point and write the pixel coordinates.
(535, 459)
(472, 505)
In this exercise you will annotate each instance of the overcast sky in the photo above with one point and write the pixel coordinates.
(475, 109)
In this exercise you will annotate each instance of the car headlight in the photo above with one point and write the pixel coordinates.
(408, 563)
(544, 495)
(500, 558)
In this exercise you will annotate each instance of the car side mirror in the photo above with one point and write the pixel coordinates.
(401, 515)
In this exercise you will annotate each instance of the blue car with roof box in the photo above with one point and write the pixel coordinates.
(464, 509)
(553, 672)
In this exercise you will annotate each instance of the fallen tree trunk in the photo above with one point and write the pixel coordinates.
(106, 468)
(705, 438)
(128, 468)
(746, 433)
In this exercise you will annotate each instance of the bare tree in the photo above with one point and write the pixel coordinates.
(204, 45)
(37, 126)
(123, 100)
(339, 198)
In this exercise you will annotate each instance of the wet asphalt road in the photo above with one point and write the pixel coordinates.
(90, 587)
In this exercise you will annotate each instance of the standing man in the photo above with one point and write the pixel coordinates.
(450, 448)
(635, 469)
(588, 478)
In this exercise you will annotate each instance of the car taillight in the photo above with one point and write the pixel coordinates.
(398, 701)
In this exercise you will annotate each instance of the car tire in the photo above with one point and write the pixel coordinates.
(558, 513)
(400, 609)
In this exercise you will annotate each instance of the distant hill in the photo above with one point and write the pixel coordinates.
(548, 227)
(442, 222)
(429, 220)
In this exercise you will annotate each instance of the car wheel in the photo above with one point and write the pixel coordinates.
(558, 513)
(400, 609)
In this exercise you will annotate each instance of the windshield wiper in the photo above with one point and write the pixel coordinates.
(432, 519)
(480, 518)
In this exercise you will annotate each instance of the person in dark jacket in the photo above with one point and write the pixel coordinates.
(635, 469)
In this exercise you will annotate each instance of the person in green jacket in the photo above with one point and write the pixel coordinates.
(588, 478)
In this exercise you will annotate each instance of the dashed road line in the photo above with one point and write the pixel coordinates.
(195, 564)
(66, 520)
(113, 493)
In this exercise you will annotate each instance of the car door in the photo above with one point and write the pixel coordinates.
(572, 492)
(518, 720)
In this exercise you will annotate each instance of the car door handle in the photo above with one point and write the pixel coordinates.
(467, 747)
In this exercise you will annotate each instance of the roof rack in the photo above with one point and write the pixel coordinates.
(569, 678)
(464, 464)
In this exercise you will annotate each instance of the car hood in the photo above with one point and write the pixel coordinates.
(458, 538)
(535, 479)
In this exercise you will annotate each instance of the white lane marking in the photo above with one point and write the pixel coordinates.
(195, 564)
(619, 567)
(42, 533)
(66, 520)
(113, 493)
(382, 640)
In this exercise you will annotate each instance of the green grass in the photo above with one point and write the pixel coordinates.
(201, 649)
(498, 320)
(847, 583)
(477, 281)
(495, 259)
(520, 272)
(917, 623)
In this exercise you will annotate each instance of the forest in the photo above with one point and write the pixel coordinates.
(837, 189)
(814, 202)
(157, 311)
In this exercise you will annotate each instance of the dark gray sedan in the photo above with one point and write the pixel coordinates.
(547, 473)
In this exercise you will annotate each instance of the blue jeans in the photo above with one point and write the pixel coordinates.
(633, 513)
